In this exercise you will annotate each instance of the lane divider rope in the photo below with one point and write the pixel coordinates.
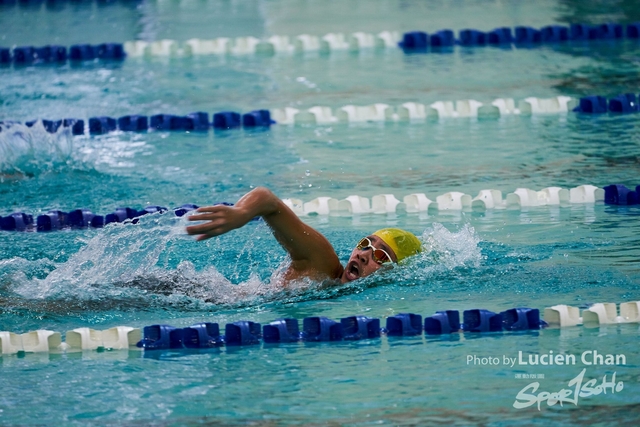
(315, 329)
(413, 41)
(412, 112)
(615, 194)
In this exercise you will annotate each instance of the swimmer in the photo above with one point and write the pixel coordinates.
(312, 256)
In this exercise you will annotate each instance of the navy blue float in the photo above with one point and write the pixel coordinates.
(321, 329)
(80, 218)
(443, 322)
(51, 126)
(360, 327)
(202, 335)
(165, 122)
(554, 34)
(82, 52)
(17, 221)
(5, 55)
(77, 126)
(157, 337)
(199, 121)
(633, 31)
(242, 333)
(133, 123)
(521, 318)
(479, 320)
(226, 120)
(592, 105)
(414, 40)
(257, 118)
(470, 37)
(610, 31)
(182, 210)
(52, 220)
(152, 209)
(404, 324)
(500, 36)
(24, 55)
(101, 125)
(281, 331)
(583, 32)
(97, 221)
(110, 51)
(442, 38)
(618, 194)
(626, 103)
(527, 35)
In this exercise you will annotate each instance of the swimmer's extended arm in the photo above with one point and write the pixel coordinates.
(310, 251)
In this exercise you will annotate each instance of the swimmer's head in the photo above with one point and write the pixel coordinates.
(383, 246)
(403, 243)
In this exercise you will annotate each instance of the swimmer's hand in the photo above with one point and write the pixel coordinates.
(220, 219)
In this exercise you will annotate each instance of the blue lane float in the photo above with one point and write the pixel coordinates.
(158, 337)
(101, 125)
(479, 320)
(618, 194)
(470, 37)
(257, 118)
(521, 319)
(202, 335)
(527, 36)
(592, 105)
(442, 38)
(443, 322)
(133, 123)
(76, 125)
(624, 104)
(414, 41)
(321, 329)
(54, 54)
(404, 324)
(226, 120)
(281, 331)
(17, 221)
(360, 327)
(242, 333)
(182, 210)
(554, 34)
(500, 36)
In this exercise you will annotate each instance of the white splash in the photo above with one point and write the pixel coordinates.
(30, 150)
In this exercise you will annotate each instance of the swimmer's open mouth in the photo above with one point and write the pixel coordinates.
(353, 271)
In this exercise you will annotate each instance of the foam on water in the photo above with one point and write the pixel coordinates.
(32, 150)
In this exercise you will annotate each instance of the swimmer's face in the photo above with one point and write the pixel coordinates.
(362, 262)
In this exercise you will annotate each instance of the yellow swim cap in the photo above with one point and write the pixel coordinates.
(403, 243)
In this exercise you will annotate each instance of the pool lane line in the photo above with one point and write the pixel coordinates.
(206, 335)
(416, 203)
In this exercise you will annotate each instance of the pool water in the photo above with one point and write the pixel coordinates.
(152, 272)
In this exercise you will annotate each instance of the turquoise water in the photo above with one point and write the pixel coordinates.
(151, 272)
